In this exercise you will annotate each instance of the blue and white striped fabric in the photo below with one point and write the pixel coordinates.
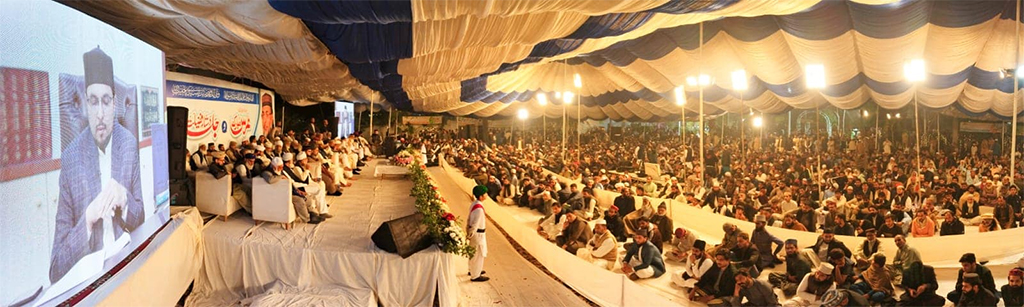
(490, 58)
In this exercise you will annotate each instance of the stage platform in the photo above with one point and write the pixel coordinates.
(335, 259)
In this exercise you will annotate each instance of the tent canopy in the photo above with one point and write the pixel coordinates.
(487, 58)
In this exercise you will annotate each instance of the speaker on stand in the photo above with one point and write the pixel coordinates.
(177, 129)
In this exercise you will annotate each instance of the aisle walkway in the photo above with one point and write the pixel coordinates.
(514, 280)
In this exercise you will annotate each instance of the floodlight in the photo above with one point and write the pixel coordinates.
(914, 70)
(567, 97)
(523, 114)
(739, 80)
(577, 81)
(542, 99)
(815, 75)
(758, 122)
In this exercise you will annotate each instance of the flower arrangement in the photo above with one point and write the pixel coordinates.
(403, 158)
(443, 226)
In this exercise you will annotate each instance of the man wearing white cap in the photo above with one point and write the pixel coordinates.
(301, 181)
(276, 173)
(813, 287)
(601, 248)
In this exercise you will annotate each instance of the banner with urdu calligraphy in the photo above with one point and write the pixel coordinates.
(219, 111)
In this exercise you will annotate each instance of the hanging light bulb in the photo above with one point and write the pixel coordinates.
(567, 97)
(542, 99)
(577, 81)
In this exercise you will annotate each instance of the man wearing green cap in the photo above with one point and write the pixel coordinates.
(475, 225)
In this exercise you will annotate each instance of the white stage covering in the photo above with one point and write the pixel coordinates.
(161, 272)
(246, 261)
(383, 170)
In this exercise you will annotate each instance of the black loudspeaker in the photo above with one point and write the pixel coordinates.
(177, 129)
(403, 236)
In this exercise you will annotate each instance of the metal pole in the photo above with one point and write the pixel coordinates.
(1016, 59)
(579, 106)
(372, 98)
(877, 115)
(917, 133)
(563, 130)
(817, 128)
(701, 98)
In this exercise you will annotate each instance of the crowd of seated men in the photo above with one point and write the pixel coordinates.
(639, 239)
(316, 164)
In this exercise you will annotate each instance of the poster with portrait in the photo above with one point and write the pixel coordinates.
(265, 123)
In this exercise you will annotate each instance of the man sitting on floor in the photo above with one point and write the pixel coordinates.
(717, 283)
(797, 266)
(973, 293)
(575, 235)
(682, 243)
(550, 226)
(745, 255)
(969, 264)
(905, 255)
(920, 283)
(601, 249)
(867, 249)
(697, 263)
(642, 260)
(875, 283)
(813, 287)
(757, 292)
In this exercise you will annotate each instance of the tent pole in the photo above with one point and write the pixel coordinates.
(1016, 59)
(917, 134)
(701, 94)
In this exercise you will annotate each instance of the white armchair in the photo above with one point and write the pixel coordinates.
(214, 195)
(273, 202)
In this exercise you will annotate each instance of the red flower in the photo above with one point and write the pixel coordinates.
(449, 216)
(433, 188)
(423, 166)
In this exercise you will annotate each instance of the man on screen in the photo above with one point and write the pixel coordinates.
(100, 191)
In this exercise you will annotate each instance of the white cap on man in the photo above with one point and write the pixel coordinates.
(288, 156)
(276, 162)
(302, 156)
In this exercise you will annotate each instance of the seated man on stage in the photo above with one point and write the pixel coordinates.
(219, 169)
(642, 260)
(305, 213)
(300, 179)
(321, 174)
(601, 249)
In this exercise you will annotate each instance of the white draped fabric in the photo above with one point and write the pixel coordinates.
(490, 58)
(241, 38)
